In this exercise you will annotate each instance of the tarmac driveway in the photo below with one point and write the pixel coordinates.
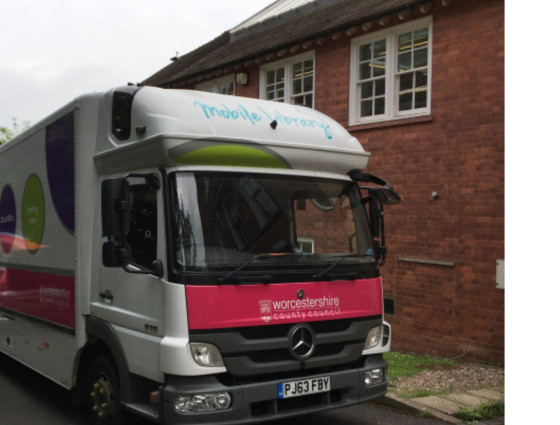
(29, 399)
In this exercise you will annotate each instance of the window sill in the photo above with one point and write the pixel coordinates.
(391, 123)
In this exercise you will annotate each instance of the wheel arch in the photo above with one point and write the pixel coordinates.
(102, 340)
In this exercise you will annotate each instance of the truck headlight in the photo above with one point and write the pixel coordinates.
(206, 355)
(374, 337)
(374, 377)
(202, 403)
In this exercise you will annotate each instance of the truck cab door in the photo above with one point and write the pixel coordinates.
(130, 295)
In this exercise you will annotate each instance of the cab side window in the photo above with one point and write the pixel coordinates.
(142, 237)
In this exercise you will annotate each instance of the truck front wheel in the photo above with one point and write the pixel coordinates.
(103, 393)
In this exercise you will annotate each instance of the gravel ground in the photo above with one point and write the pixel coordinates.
(464, 377)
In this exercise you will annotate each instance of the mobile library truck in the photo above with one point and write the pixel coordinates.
(193, 258)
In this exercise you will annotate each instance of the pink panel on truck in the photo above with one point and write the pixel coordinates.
(44, 296)
(231, 306)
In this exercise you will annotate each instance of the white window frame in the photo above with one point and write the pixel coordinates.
(287, 65)
(391, 112)
(215, 85)
(306, 240)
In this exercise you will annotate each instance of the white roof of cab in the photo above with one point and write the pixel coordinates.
(202, 128)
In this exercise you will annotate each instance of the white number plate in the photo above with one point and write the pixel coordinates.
(304, 387)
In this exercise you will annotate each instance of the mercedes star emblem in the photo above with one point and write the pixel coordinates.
(302, 341)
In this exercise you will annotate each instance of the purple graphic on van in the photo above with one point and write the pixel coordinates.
(7, 219)
(59, 146)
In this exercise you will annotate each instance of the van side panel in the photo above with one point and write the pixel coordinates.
(38, 247)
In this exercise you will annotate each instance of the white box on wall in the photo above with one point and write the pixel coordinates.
(500, 274)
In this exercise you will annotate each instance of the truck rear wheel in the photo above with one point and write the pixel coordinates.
(103, 393)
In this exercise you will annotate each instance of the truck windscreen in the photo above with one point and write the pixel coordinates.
(250, 222)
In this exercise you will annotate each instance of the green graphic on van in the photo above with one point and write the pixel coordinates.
(33, 213)
(227, 155)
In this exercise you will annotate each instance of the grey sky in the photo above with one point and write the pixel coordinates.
(53, 51)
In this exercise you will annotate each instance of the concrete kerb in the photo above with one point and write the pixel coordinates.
(445, 406)
(414, 407)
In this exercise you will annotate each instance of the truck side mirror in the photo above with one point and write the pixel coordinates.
(115, 203)
(376, 199)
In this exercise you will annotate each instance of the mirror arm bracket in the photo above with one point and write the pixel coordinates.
(359, 176)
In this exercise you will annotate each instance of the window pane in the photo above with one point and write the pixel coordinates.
(308, 67)
(379, 48)
(380, 106)
(297, 86)
(405, 101)
(365, 52)
(421, 99)
(308, 100)
(366, 108)
(270, 77)
(142, 237)
(420, 58)
(280, 74)
(405, 61)
(226, 88)
(380, 87)
(421, 79)
(421, 37)
(298, 70)
(406, 82)
(379, 67)
(365, 71)
(308, 84)
(405, 42)
(367, 90)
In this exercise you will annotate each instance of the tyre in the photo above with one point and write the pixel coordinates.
(103, 393)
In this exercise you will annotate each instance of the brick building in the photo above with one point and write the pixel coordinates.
(421, 85)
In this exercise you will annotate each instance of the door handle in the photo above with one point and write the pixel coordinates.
(107, 296)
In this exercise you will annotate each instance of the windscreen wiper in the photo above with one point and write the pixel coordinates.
(325, 275)
(232, 277)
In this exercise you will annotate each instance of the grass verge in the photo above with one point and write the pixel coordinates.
(423, 393)
(401, 364)
(482, 412)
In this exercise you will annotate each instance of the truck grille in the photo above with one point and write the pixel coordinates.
(262, 350)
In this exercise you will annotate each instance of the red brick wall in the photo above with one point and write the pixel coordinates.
(459, 153)
(454, 309)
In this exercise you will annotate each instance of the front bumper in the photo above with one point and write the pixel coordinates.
(258, 402)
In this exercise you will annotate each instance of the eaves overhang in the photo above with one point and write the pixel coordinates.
(295, 36)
